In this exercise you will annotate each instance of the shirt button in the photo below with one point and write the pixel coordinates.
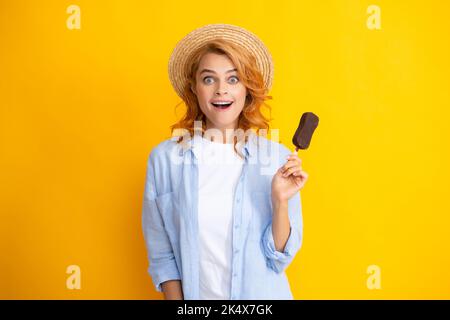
(236, 226)
(236, 250)
(234, 275)
(238, 200)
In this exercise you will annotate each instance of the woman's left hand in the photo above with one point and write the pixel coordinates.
(289, 179)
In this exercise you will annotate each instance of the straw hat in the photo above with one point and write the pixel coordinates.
(197, 38)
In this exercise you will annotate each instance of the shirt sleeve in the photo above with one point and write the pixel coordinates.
(162, 264)
(276, 260)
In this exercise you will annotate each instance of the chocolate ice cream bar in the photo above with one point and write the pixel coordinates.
(303, 134)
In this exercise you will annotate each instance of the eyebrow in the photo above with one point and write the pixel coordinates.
(212, 71)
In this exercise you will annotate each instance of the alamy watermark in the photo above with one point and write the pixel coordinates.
(264, 151)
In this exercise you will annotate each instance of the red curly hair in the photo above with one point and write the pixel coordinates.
(245, 63)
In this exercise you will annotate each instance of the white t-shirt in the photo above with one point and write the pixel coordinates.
(219, 171)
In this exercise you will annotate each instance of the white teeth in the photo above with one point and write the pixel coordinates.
(222, 103)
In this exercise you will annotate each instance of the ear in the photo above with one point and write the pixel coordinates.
(193, 90)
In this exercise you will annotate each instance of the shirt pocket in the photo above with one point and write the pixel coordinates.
(261, 214)
(167, 206)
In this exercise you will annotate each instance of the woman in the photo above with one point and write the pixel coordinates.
(222, 214)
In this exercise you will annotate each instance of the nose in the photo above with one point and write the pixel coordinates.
(221, 88)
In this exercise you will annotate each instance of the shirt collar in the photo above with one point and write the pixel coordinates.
(249, 147)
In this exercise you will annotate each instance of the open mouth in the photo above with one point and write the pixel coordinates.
(222, 105)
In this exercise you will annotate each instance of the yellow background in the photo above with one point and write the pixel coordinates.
(80, 111)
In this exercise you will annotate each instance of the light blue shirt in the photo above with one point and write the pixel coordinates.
(170, 225)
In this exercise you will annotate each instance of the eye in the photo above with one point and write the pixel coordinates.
(236, 79)
(205, 79)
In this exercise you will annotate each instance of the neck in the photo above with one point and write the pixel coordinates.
(227, 134)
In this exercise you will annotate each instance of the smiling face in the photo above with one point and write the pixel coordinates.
(217, 83)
